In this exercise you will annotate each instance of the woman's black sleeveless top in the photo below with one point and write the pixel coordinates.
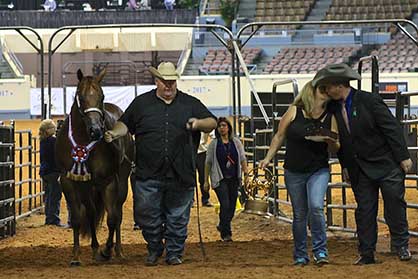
(304, 155)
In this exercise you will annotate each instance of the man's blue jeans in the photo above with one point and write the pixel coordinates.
(163, 212)
(307, 192)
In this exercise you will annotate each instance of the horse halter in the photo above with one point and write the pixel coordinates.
(92, 109)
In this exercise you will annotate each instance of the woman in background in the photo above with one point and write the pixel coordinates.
(225, 162)
(49, 172)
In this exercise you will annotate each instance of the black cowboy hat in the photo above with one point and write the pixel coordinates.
(333, 73)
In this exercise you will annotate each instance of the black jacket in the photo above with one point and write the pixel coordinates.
(376, 144)
(47, 154)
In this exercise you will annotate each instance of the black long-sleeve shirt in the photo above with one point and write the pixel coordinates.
(47, 154)
(161, 138)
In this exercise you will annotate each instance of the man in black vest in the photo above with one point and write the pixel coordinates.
(373, 156)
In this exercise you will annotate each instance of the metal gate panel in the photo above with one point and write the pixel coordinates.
(7, 182)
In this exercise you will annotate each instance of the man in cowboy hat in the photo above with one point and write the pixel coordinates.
(162, 120)
(373, 156)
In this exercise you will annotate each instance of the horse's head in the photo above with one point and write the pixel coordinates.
(89, 99)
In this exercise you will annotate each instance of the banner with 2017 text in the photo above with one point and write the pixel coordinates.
(120, 96)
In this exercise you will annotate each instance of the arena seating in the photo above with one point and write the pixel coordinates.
(308, 59)
(369, 9)
(5, 71)
(218, 61)
(398, 55)
(283, 10)
(213, 7)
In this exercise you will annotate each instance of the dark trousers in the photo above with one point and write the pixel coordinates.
(366, 193)
(227, 193)
(200, 165)
(53, 194)
(163, 212)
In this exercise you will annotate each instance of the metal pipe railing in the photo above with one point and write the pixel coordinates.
(274, 130)
(375, 72)
(52, 48)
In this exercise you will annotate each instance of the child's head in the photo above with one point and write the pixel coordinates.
(47, 128)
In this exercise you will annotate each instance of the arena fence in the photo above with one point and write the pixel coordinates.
(7, 182)
(410, 126)
(29, 192)
(21, 192)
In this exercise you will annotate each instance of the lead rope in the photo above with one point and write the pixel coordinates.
(201, 244)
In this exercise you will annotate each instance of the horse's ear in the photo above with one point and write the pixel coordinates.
(79, 75)
(101, 75)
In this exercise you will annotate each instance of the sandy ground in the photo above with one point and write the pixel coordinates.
(262, 248)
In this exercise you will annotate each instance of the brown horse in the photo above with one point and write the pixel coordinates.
(94, 173)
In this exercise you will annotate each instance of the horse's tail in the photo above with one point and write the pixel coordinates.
(94, 208)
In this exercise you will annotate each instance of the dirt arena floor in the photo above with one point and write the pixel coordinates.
(262, 248)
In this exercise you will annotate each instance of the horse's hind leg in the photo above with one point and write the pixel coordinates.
(118, 212)
(94, 243)
(114, 220)
(107, 251)
(110, 194)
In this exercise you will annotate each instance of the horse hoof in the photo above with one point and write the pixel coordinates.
(75, 263)
(103, 257)
(120, 256)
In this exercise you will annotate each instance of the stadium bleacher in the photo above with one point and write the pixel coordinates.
(283, 10)
(397, 55)
(370, 9)
(308, 59)
(213, 7)
(218, 61)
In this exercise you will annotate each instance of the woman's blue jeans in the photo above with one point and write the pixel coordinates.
(307, 192)
(53, 194)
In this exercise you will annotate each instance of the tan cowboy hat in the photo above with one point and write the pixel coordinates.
(165, 71)
(333, 73)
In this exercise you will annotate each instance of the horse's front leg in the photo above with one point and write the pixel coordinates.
(74, 203)
(118, 246)
(92, 214)
(75, 261)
